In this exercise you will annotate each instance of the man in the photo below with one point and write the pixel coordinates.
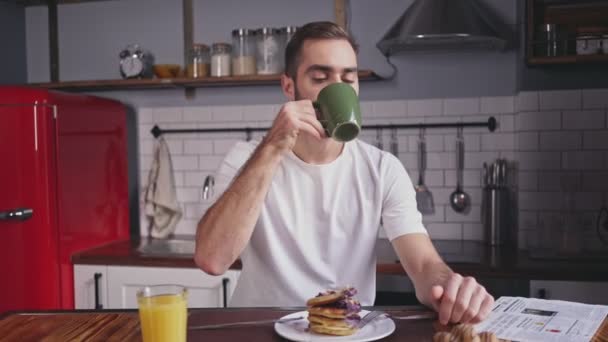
(303, 210)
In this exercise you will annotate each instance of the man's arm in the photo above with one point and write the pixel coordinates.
(226, 227)
(455, 298)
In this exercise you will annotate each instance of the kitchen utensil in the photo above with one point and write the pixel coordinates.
(246, 323)
(394, 143)
(496, 217)
(422, 316)
(503, 172)
(495, 206)
(424, 197)
(208, 187)
(369, 318)
(484, 177)
(460, 200)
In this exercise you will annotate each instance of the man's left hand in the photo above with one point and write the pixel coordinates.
(461, 300)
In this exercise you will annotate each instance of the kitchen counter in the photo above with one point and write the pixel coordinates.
(466, 257)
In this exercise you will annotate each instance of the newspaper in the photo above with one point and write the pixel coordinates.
(531, 319)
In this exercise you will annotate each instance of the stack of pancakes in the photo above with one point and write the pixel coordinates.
(334, 312)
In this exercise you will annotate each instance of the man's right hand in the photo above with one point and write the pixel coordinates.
(294, 117)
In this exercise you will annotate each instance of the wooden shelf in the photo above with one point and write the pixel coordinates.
(568, 16)
(573, 59)
(168, 83)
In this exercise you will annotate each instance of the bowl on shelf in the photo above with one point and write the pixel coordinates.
(167, 70)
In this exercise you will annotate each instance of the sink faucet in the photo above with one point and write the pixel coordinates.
(208, 187)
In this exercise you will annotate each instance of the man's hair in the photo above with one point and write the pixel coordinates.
(310, 31)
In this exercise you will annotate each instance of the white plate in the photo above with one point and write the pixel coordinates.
(298, 330)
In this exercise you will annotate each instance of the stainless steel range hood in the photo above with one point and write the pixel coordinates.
(445, 25)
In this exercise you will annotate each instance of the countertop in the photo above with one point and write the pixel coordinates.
(466, 257)
(123, 325)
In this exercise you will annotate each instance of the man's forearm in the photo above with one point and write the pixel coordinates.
(226, 227)
(432, 273)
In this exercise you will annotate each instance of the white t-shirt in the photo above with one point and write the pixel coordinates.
(319, 224)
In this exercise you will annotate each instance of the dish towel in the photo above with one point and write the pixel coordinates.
(160, 200)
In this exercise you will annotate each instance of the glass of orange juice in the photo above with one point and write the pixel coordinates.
(163, 313)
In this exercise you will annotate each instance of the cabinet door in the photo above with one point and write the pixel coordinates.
(90, 287)
(574, 291)
(204, 291)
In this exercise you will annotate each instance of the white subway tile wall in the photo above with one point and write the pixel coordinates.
(556, 141)
(562, 172)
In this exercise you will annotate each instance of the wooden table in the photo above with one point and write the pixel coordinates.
(123, 325)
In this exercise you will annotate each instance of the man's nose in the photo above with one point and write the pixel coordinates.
(336, 78)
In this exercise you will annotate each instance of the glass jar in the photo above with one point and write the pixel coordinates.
(221, 59)
(588, 40)
(268, 51)
(546, 43)
(243, 52)
(198, 65)
(287, 32)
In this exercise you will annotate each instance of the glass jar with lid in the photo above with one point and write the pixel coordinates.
(221, 59)
(268, 51)
(243, 52)
(198, 65)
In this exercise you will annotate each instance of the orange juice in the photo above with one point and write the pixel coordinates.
(163, 317)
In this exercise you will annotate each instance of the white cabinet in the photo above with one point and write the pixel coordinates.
(203, 290)
(90, 281)
(575, 291)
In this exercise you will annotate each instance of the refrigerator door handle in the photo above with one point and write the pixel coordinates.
(98, 305)
(16, 214)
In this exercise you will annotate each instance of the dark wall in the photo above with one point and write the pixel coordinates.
(12, 37)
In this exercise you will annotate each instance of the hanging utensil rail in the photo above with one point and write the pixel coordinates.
(491, 124)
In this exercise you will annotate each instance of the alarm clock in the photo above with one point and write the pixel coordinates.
(136, 62)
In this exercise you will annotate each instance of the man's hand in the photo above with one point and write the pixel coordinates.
(293, 118)
(461, 300)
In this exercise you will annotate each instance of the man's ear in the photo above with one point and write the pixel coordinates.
(289, 87)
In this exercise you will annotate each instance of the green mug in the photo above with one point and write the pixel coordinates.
(339, 111)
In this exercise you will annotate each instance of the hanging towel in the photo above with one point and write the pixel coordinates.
(160, 200)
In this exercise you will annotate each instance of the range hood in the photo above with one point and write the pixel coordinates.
(445, 25)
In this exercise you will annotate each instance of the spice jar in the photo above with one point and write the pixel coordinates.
(220, 59)
(243, 52)
(588, 40)
(268, 51)
(198, 65)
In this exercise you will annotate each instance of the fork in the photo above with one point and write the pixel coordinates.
(369, 317)
(248, 323)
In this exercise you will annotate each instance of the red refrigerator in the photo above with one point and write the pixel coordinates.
(63, 189)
